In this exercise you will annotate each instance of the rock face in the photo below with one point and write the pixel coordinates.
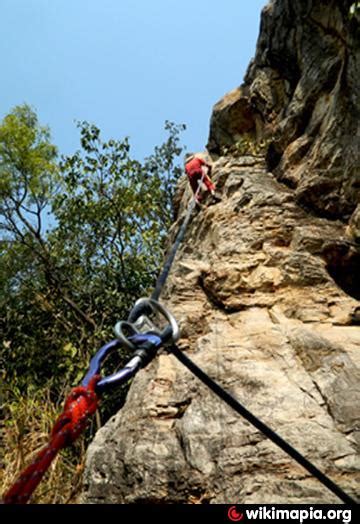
(266, 288)
(301, 93)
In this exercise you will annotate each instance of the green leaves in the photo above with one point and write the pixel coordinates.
(62, 290)
(26, 155)
(112, 214)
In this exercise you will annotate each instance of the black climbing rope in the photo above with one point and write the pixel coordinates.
(268, 432)
(179, 238)
(170, 259)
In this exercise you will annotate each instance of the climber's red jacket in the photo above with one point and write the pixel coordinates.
(194, 166)
(194, 171)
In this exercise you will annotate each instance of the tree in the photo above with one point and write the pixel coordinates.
(113, 213)
(28, 178)
(27, 173)
(63, 289)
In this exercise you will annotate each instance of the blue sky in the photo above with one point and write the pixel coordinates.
(124, 65)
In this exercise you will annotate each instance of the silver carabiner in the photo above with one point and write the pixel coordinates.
(139, 322)
(120, 328)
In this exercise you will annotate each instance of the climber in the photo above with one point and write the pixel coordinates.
(198, 171)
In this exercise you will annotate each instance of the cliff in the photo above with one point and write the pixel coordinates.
(266, 288)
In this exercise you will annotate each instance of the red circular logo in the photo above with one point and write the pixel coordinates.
(234, 515)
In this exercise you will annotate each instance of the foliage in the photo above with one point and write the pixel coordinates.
(64, 281)
(112, 216)
(63, 289)
(26, 165)
(28, 175)
(247, 145)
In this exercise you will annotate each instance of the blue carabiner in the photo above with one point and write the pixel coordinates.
(97, 360)
(143, 343)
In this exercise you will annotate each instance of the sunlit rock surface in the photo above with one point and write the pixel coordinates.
(266, 288)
